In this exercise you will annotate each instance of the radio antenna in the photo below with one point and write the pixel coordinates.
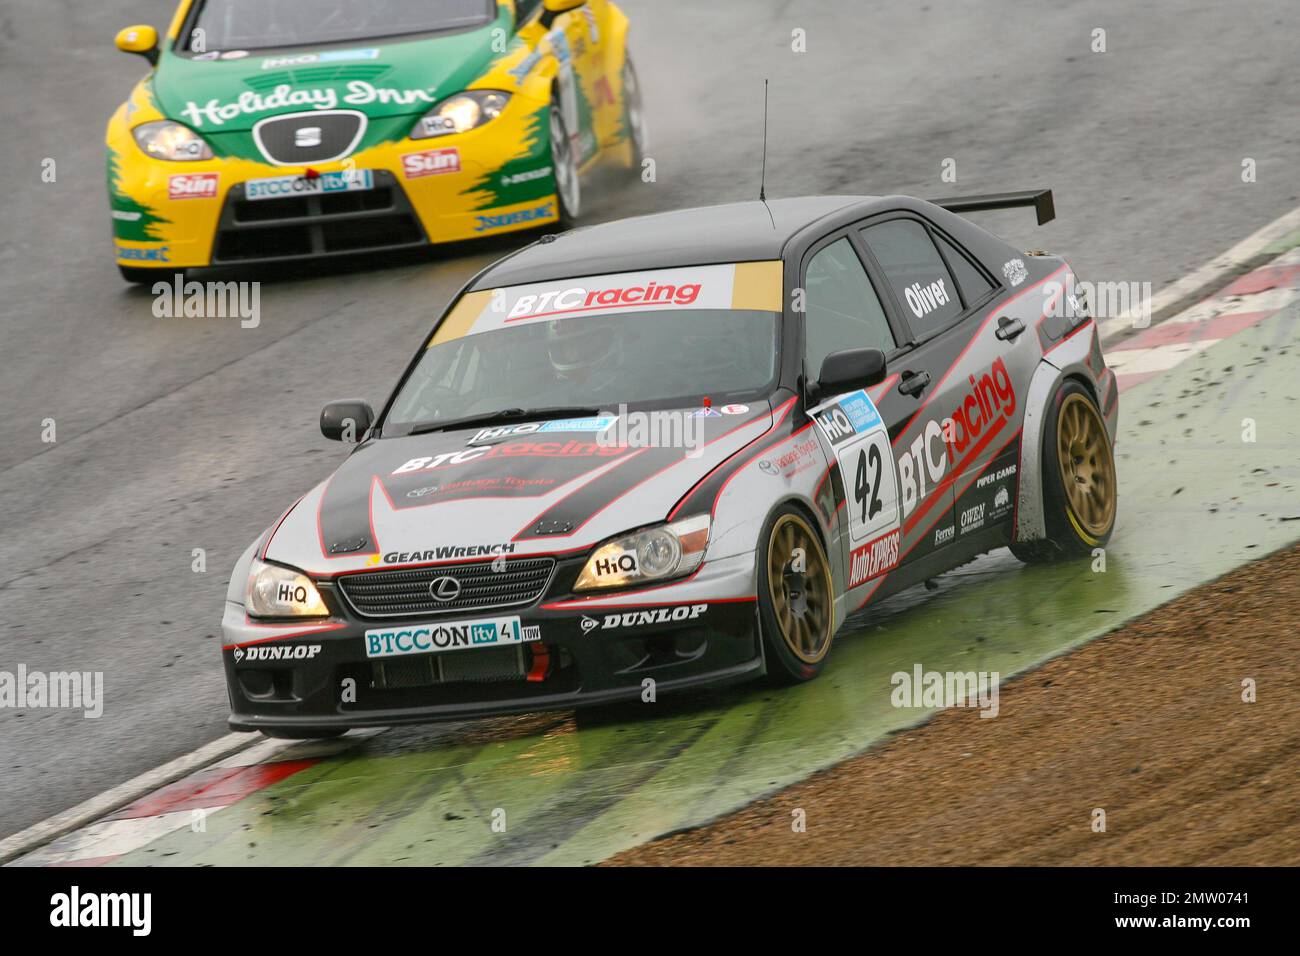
(762, 176)
(762, 179)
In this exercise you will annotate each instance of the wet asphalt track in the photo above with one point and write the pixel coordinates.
(183, 434)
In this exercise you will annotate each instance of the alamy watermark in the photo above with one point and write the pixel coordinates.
(657, 429)
(941, 689)
(1130, 301)
(179, 299)
(133, 911)
(25, 689)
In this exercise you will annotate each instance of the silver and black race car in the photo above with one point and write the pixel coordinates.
(679, 450)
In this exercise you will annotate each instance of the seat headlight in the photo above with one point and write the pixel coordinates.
(464, 111)
(164, 139)
(274, 591)
(651, 554)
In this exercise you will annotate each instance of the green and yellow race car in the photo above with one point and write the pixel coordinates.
(274, 130)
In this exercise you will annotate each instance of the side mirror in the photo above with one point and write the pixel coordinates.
(848, 369)
(553, 8)
(347, 420)
(142, 40)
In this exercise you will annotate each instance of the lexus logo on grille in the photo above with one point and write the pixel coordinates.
(306, 136)
(444, 589)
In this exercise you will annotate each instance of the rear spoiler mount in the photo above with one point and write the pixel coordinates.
(1040, 199)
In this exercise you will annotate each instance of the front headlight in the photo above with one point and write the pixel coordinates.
(461, 112)
(163, 139)
(652, 554)
(274, 591)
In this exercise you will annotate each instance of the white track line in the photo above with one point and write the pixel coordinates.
(112, 838)
(84, 813)
(1197, 283)
(1202, 282)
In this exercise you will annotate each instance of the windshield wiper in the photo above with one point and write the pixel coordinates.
(504, 416)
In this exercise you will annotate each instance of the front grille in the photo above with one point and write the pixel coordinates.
(469, 678)
(318, 225)
(329, 135)
(483, 665)
(406, 593)
(379, 199)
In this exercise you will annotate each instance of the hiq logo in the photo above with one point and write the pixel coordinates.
(850, 416)
(836, 424)
(625, 563)
(289, 594)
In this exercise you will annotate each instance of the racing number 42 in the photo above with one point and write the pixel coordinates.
(867, 491)
(859, 443)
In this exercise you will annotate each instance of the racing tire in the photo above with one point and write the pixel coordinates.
(1080, 492)
(568, 187)
(796, 601)
(634, 117)
(304, 733)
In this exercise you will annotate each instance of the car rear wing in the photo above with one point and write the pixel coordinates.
(1040, 199)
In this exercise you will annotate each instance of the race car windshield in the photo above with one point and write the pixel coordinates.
(664, 359)
(266, 24)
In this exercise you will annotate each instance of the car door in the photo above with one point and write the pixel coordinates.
(843, 310)
(1001, 358)
(958, 404)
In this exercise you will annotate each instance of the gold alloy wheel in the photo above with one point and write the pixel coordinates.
(801, 596)
(1087, 467)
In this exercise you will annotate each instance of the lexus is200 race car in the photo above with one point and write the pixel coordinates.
(679, 448)
(292, 129)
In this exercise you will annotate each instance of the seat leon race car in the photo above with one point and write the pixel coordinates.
(294, 129)
(678, 450)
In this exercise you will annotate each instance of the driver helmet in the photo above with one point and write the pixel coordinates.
(577, 348)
